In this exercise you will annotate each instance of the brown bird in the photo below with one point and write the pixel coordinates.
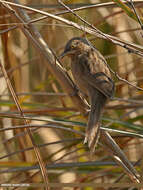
(93, 78)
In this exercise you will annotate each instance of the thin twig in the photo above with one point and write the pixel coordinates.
(84, 21)
(26, 123)
(117, 152)
(138, 17)
(37, 94)
(126, 81)
(15, 98)
(131, 47)
(7, 30)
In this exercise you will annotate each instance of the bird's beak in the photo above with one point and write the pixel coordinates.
(66, 53)
(63, 55)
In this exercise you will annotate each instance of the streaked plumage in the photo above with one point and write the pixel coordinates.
(93, 78)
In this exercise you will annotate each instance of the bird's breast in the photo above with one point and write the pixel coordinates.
(79, 75)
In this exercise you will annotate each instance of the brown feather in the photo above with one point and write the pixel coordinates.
(92, 76)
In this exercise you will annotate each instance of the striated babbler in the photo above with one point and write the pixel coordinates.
(93, 78)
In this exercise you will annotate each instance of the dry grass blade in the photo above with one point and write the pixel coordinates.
(36, 149)
(60, 124)
(36, 39)
(124, 162)
(131, 47)
(84, 21)
(138, 17)
(120, 157)
(128, 11)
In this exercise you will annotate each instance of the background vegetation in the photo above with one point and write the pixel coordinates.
(43, 119)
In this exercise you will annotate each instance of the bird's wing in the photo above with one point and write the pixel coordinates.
(97, 73)
(102, 83)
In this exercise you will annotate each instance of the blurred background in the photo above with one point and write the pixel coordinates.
(58, 126)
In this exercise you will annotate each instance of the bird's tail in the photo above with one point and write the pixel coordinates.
(98, 101)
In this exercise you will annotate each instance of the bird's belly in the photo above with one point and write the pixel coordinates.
(79, 78)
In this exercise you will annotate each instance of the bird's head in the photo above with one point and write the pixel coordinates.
(75, 46)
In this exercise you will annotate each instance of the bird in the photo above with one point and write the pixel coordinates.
(92, 76)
